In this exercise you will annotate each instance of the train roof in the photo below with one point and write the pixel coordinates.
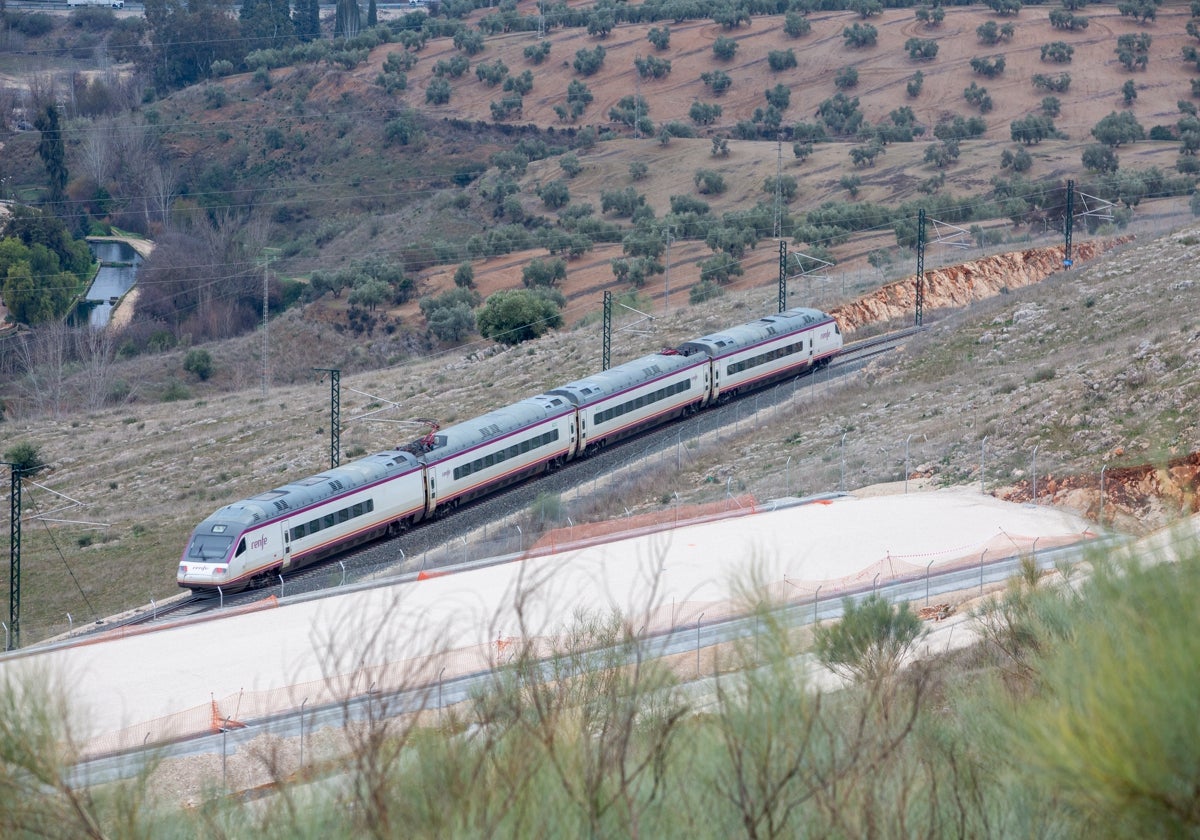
(614, 380)
(747, 335)
(284, 500)
(494, 424)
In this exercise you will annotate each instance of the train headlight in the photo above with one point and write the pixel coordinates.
(182, 570)
(219, 571)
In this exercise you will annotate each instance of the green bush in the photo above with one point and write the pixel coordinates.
(871, 639)
(199, 363)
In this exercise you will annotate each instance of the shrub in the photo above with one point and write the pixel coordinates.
(453, 67)
(199, 363)
(865, 154)
(437, 92)
(943, 154)
(26, 458)
(516, 315)
(215, 96)
(520, 85)
(704, 113)
(659, 37)
(921, 49)
(913, 88)
(870, 640)
(491, 74)
(778, 97)
(570, 164)
(1133, 51)
(846, 78)
(652, 67)
(540, 272)
(709, 182)
(991, 33)
(978, 96)
(1032, 129)
(554, 194)
(796, 25)
(721, 267)
(780, 60)
(464, 276)
(588, 62)
(1098, 157)
(718, 81)
(1058, 52)
(860, 35)
(724, 48)
(578, 98)
(785, 185)
(537, 53)
(1053, 84)
(1066, 19)
(469, 41)
(931, 16)
(988, 67)
(707, 290)
(1004, 8)
(1018, 160)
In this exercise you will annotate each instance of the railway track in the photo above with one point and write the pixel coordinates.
(396, 557)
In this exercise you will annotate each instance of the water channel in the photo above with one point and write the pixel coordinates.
(119, 265)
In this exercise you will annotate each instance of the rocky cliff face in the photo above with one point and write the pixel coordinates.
(1136, 498)
(959, 285)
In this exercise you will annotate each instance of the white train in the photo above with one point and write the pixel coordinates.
(314, 518)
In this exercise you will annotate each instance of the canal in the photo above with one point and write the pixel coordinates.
(119, 265)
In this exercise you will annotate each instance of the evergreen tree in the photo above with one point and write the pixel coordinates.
(307, 20)
(266, 23)
(372, 15)
(347, 23)
(52, 150)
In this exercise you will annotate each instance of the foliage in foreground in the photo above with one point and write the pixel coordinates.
(1079, 715)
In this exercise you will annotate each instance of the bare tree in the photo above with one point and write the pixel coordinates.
(94, 350)
(162, 185)
(97, 150)
(42, 359)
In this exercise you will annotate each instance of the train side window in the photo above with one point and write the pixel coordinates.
(241, 548)
(370, 505)
(358, 510)
(344, 515)
(314, 526)
(329, 520)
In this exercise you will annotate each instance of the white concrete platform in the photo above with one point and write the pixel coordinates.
(163, 683)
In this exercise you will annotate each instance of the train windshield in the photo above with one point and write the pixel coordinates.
(207, 547)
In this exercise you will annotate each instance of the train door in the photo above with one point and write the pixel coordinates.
(287, 545)
(430, 491)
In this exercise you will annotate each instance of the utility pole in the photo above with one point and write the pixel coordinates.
(637, 106)
(667, 285)
(14, 557)
(1067, 262)
(335, 414)
(920, 266)
(265, 340)
(783, 255)
(779, 187)
(607, 328)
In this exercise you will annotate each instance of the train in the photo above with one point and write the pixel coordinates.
(384, 494)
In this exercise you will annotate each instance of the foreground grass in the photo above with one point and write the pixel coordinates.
(1078, 715)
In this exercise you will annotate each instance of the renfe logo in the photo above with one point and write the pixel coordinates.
(261, 542)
